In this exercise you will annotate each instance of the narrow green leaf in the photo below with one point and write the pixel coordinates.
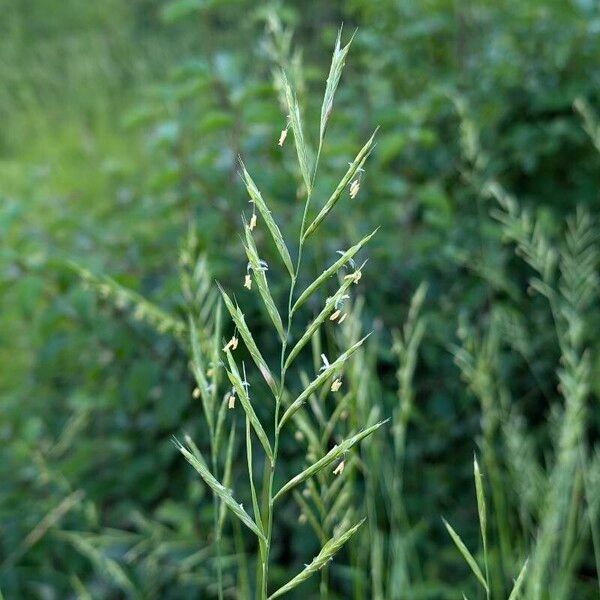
(220, 423)
(315, 495)
(481, 508)
(315, 400)
(335, 72)
(354, 167)
(338, 264)
(216, 349)
(324, 556)
(106, 566)
(466, 555)
(240, 323)
(221, 491)
(301, 149)
(314, 325)
(256, 197)
(305, 426)
(236, 381)
(82, 593)
(200, 375)
(255, 507)
(341, 502)
(514, 594)
(227, 472)
(125, 298)
(335, 453)
(261, 283)
(334, 418)
(312, 519)
(319, 380)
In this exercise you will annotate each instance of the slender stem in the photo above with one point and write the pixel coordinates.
(216, 528)
(324, 587)
(283, 370)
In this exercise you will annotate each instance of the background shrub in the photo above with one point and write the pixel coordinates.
(122, 124)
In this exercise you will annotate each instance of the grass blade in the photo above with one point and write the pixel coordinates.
(338, 264)
(316, 383)
(200, 375)
(356, 164)
(50, 520)
(221, 414)
(312, 519)
(305, 426)
(333, 420)
(324, 556)
(296, 122)
(240, 323)
(236, 381)
(256, 197)
(335, 453)
(314, 325)
(106, 566)
(466, 555)
(514, 594)
(125, 298)
(221, 491)
(227, 473)
(261, 283)
(215, 352)
(481, 508)
(255, 506)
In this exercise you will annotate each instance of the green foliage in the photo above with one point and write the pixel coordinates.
(122, 131)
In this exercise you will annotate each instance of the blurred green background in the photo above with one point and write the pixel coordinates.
(122, 120)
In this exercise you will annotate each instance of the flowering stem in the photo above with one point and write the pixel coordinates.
(283, 371)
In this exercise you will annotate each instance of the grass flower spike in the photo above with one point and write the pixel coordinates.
(288, 402)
